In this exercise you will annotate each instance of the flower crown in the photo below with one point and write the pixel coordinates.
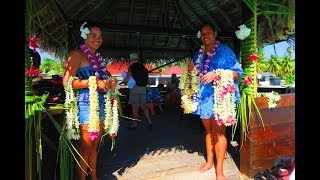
(199, 34)
(84, 31)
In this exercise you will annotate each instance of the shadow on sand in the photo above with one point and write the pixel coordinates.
(170, 133)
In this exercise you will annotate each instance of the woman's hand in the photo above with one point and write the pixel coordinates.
(113, 83)
(208, 78)
(190, 66)
(103, 84)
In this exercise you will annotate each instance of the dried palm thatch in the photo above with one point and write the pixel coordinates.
(164, 29)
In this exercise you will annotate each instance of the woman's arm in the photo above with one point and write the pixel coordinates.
(72, 65)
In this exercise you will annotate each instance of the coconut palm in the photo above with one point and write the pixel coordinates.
(261, 67)
(287, 65)
(289, 50)
(273, 65)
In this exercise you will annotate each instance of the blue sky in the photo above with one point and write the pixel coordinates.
(44, 55)
(281, 49)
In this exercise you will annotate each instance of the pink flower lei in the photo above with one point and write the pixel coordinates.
(93, 63)
(207, 61)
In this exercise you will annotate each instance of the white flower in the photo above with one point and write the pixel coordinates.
(111, 122)
(224, 98)
(84, 31)
(94, 106)
(72, 119)
(199, 34)
(243, 32)
(273, 98)
(189, 86)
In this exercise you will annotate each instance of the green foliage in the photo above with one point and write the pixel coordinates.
(247, 101)
(290, 78)
(273, 65)
(287, 65)
(51, 66)
(277, 22)
(261, 67)
(272, 18)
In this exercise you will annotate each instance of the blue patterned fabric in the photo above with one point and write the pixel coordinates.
(223, 59)
(83, 98)
(154, 95)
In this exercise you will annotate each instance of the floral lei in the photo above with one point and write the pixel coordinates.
(111, 123)
(189, 86)
(224, 97)
(111, 111)
(207, 61)
(224, 94)
(72, 122)
(93, 127)
(190, 81)
(94, 64)
(273, 98)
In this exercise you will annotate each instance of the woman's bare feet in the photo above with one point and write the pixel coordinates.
(206, 166)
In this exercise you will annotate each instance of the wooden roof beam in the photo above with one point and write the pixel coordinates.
(77, 9)
(92, 9)
(191, 9)
(148, 30)
(58, 43)
(222, 12)
(183, 23)
(131, 11)
(146, 14)
(142, 48)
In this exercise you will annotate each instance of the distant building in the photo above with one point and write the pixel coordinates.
(264, 78)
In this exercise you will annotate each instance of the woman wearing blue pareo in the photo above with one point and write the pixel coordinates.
(83, 63)
(213, 55)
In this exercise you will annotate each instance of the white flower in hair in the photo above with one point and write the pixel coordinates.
(199, 34)
(84, 31)
(243, 32)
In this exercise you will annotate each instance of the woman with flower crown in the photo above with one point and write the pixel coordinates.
(92, 81)
(206, 63)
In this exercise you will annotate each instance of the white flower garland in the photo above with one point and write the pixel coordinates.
(93, 126)
(111, 122)
(224, 97)
(111, 111)
(273, 98)
(189, 86)
(72, 120)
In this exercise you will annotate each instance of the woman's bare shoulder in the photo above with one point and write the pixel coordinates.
(75, 53)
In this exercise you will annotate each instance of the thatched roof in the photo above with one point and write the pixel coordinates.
(155, 29)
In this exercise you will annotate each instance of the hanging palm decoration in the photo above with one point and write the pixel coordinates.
(34, 108)
(248, 48)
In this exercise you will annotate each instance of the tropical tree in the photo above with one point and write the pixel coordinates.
(51, 66)
(273, 65)
(289, 78)
(289, 50)
(260, 63)
(287, 65)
